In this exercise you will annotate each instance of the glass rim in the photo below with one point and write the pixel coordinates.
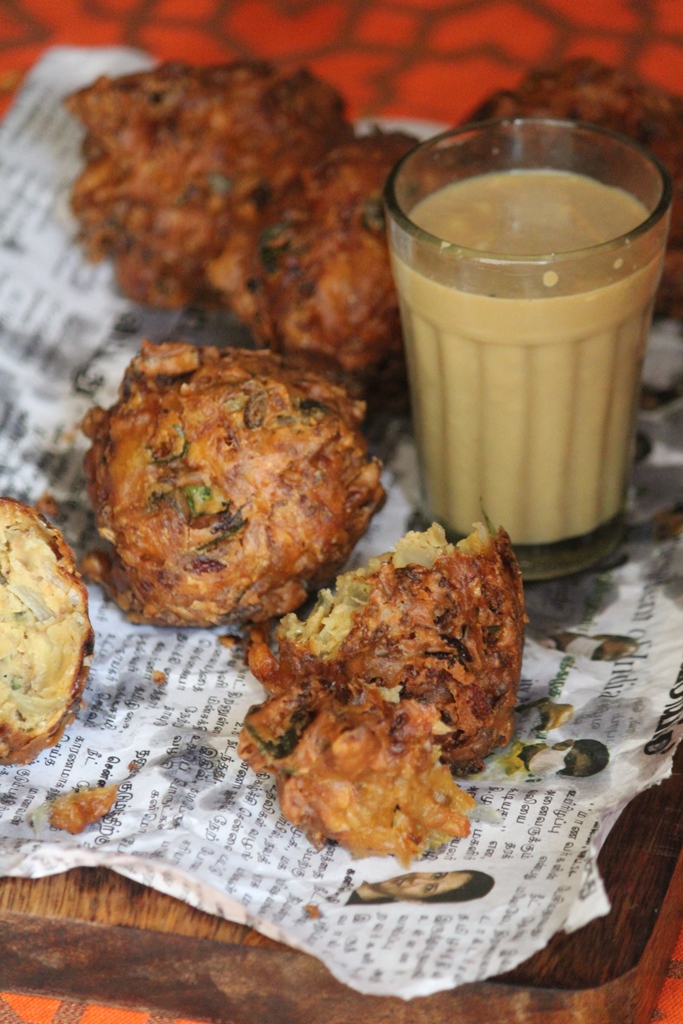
(462, 252)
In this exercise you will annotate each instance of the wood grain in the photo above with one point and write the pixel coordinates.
(90, 934)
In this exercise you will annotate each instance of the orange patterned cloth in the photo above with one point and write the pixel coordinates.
(432, 59)
(424, 58)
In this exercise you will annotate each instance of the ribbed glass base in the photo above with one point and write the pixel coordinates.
(548, 561)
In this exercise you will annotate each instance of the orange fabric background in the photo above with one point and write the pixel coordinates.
(423, 58)
(433, 59)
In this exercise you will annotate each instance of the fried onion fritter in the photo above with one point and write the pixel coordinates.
(46, 639)
(316, 278)
(407, 673)
(584, 89)
(74, 811)
(178, 156)
(357, 769)
(243, 186)
(229, 482)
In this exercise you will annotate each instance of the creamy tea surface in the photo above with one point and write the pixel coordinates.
(530, 213)
(525, 407)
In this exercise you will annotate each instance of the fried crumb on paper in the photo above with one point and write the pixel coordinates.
(47, 505)
(73, 812)
(230, 641)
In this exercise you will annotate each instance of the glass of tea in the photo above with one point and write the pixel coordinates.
(527, 254)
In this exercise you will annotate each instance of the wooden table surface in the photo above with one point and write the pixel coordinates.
(74, 943)
(92, 935)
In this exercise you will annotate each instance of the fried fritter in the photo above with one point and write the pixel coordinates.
(359, 770)
(408, 672)
(241, 186)
(74, 811)
(316, 280)
(229, 482)
(46, 640)
(587, 90)
(178, 156)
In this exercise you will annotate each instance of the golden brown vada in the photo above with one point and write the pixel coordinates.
(229, 483)
(357, 769)
(179, 156)
(46, 640)
(316, 279)
(407, 673)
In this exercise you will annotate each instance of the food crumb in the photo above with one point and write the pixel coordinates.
(69, 434)
(159, 677)
(228, 640)
(47, 505)
(73, 812)
(312, 911)
(669, 523)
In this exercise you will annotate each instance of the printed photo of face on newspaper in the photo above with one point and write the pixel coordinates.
(425, 887)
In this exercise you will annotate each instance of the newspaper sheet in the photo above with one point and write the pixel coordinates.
(600, 704)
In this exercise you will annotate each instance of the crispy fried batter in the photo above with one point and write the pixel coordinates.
(46, 640)
(241, 186)
(229, 482)
(315, 279)
(413, 660)
(357, 769)
(179, 156)
(586, 90)
(73, 812)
